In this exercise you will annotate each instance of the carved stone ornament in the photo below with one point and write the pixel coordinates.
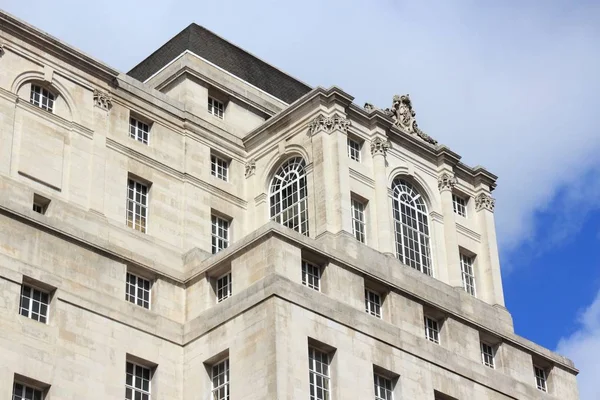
(404, 117)
(484, 201)
(369, 107)
(446, 181)
(379, 146)
(102, 100)
(250, 168)
(328, 124)
(2, 51)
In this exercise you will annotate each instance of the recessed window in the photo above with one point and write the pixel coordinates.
(42, 98)
(40, 204)
(137, 382)
(24, 392)
(137, 205)
(220, 233)
(34, 303)
(487, 355)
(311, 275)
(220, 380)
(468, 274)
(432, 330)
(384, 387)
(460, 205)
(223, 287)
(358, 220)
(219, 167)
(139, 130)
(319, 378)
(541, 379)
(216, 108)
(354, 147)
(137, 290)
(373, 303)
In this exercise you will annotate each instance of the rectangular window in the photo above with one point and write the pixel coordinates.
(311, 275)
(372, 303)
(460, 205)
(354, 147)
(42, 98)
(34, 303)
(219, 167)
(468, 276)
(487, 355)
(318, 367)
(40, 203)
(216, 108)
(383, 388)
(220, 380)
(137, 205)
(358, 220)
(432, 330)
(540, 378)
(220, 233)
(139, 130)
(137, 290)
(137, 382)
(224, 287)
(24, 392)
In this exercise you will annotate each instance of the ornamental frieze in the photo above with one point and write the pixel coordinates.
(484, 201)
(328, 124)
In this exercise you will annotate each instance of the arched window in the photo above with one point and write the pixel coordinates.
(288, 196)
(411, 226)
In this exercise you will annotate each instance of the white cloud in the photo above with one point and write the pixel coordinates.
(583, 347)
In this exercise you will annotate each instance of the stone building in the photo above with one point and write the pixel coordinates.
(208, 227)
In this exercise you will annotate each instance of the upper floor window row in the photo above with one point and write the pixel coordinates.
(42, 97)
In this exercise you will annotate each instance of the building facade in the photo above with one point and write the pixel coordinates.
(208, 227)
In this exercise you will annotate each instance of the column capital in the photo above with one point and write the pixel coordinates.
(379, 146)
(484, 201)
(446, 181)
(328, 124)
(102, 100)
(250, 168)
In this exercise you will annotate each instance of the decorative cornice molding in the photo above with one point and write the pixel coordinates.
(446, 181)
(484, 201)
(403, 116)
(328, 124)
(102, 100)
(250, 168)
(379, 146)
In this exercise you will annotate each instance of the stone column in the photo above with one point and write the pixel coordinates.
(446, 182)
(384, 227)
(330, 168)
(488, 260)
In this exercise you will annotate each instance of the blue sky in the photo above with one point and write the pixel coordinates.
(510, 85)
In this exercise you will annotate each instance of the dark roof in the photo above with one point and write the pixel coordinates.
(227, 56)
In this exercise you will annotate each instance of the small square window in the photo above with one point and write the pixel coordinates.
(373, 303)
(216, 108)
(34, 303)
(358, 220)
(460, 205)
(223, 287)
(220, 233)
(541, 378)
(137, 205)
(432, 330)
(487, 355)
(139, 130)
(25, 392)
(468, 274)
(311, 275)
(138, 290)
(137, 382)
(40, 204)
(354, 148)
(219, 167)
(220, 380)
(384, 387)
(42, 98)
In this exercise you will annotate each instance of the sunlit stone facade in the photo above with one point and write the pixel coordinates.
(208, 227)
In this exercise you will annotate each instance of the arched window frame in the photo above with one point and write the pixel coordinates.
(288, 195)
(411, 226)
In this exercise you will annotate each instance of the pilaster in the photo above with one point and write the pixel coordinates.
(379, 148)
(102, 107)
(446, 183)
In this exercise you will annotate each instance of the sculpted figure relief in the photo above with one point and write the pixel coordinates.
(250, 168)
